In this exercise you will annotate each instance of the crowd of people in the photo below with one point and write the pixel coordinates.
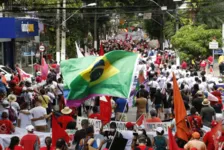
(30, 106)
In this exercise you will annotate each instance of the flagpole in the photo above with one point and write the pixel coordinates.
(116, 129)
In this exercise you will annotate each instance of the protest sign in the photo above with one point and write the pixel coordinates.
(149, 127)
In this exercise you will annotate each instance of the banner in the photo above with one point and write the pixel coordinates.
(149, 127)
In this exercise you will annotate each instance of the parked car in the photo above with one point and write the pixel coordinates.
(8, 72)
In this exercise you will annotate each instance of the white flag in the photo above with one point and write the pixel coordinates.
(79, 53)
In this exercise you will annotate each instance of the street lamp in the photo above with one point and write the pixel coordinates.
(89, 5)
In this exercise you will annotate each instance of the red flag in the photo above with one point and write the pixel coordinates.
(180, 112)
(23, 75)
(101, 52)
(44, 69)
(216, 134)
(105, 109)
(58, 132)
(140, 120)
(172, 142)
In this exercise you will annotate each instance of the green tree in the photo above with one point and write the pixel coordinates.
(194, 40)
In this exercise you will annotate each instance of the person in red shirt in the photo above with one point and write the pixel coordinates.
(6, 126)
(14, 144)
(210, 61)
(184, 65)
(95, 114)
(203, 65)
(195, 121)
(142, 144)
(217, 105)
(208, 138)
(154, 117)
(17, 90)
(66, 117)
(29, 141)
(48, 142)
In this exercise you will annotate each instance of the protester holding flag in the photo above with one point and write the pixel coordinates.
(66, 117)
(111, 134)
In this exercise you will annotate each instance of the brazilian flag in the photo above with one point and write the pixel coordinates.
(90, 76)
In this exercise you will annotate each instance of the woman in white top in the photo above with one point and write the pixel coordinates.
(24, 120)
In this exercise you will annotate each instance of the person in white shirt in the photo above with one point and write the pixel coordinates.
(128, 134)
(24, 120)
(39, 114)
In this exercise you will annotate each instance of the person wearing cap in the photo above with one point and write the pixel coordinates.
(66, 117)
(159, 141)
(128, 134)
(207, 113)
(6, 126)
(197, 102)
(30, 140)
(38, 77)
(208, 137)
(195, 143)
(154, 117)
(80, 134)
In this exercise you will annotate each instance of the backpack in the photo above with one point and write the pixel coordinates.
(12, 114)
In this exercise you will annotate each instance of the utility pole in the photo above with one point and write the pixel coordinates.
(177, 22)
(95, 27)
(223, 36)
(58, 33)
(63, 33)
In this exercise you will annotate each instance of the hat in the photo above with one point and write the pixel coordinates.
(159, 129)
(205, 102)
(66, 111)
(214, 123)
(129, 125)
(199, 93)
(11, 98)
(196, 135)
(30, 128)
(5, 102)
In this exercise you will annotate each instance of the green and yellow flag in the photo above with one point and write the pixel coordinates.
(110, 74)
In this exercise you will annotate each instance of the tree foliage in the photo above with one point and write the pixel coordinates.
(194, 40)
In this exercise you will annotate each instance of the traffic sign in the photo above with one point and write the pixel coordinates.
(41, 48)
(147, 16)
(213, 45)
(218, 52)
